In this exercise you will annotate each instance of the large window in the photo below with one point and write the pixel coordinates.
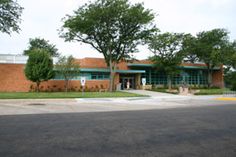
(88, 76)
(191, 77)
(100, 76)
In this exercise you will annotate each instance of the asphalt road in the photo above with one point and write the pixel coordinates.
(192, 132)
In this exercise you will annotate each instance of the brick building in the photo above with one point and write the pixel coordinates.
(12, 78)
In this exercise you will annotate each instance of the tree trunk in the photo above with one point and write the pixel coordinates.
(111, 81)
(169, 82)
(112, 76)
(37, 86)
(209, 76)
(66, 85)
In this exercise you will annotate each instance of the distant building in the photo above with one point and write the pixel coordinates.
(95, 70)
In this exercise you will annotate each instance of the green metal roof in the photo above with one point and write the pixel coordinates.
(107, 70)
(183, 67)
(131, 71)
(140, 65)
(198, 67)
(94, 70)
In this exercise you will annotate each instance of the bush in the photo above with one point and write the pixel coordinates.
(233, 88)
(230, 80)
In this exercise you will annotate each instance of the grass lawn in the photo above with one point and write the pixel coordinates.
(202, 91)
(60, 95)
(212, 91)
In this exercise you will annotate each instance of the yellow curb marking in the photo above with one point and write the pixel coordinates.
(226, 99)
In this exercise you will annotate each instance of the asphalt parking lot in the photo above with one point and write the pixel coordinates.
(201, 131)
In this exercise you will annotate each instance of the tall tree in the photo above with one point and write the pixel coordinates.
(112, 27)
(38, 43)
(167, 53)
(10, 13)
(230, 57)
(39, 67)
(188, 48)
(68, 68)
(211, 48)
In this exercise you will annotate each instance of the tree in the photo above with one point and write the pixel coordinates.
(211, 47)
(112, 27)
(167, 53)
(67, 67)
(188, 48)
(39, 43)
(230, 80)
(10, 13)
(230, 57)
(39, 67)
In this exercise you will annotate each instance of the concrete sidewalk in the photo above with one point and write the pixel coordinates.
(155, 100)
(166, 96)
(156, 94)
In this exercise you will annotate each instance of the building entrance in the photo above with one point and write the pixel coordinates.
(127, 82)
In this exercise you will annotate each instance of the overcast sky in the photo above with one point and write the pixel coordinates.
(43, 19)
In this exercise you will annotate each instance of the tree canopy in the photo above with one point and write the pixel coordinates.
(10, 13)
(38, 43)
(68, 68)
(39, 67)
(167, 53)
(211, 47)
(188, 48)
(112, 27)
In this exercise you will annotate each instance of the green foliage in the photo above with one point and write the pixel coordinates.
(230, 57)
(189, 48)
(10, 13)
(38, 43)
(230, 80)
(112, 27)
(39, 67)
(211, 47)
(68, 68)
(167, 53)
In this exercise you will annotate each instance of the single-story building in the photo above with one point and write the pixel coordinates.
(12, 78)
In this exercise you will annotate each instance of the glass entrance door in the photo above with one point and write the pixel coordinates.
(127, 83)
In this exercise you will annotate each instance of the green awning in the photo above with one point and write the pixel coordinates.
(107, 70)
(182, 67)
(140, 65)
(197, 67)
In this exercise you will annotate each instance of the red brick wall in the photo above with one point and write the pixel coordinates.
(218, 78)
(12, 79)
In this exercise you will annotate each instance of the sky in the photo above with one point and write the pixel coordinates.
(43, 19)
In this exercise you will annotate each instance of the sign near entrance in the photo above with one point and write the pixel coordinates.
(82, 81)
(143, 81)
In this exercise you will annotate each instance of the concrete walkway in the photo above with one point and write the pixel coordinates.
(156, 94)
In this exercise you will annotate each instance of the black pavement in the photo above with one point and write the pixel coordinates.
(192, 132)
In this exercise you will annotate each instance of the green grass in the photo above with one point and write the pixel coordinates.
(63, 95)
(212, 91)
(202, 91)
